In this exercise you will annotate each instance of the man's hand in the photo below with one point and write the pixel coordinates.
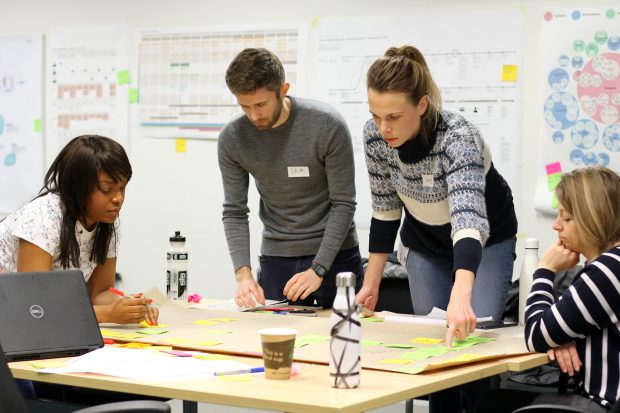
(567, 358)
(301, 285)
(368, 297)
(249, 293)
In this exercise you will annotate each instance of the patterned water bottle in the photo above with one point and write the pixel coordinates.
(344, 345)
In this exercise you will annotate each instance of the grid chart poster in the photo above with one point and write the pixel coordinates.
(182, 88)
(21, 111)
(89, 75)
(580, 100)
(477, 72)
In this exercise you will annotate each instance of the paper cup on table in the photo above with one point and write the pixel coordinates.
(278, 347)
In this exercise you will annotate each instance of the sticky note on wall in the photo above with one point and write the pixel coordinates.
(509, 73)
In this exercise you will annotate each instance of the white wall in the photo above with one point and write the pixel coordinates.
(182, 191)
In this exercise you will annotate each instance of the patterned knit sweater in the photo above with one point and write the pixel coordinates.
(454, 200)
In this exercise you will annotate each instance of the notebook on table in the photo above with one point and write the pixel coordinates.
(46, 315)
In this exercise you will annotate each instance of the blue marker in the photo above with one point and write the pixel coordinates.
(244, 371)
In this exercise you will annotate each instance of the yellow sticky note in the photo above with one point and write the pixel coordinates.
(181, 147)
(205, 322)
(509, 73)
(464, 358)
(394, 361)
(45, 364)
(235, 377)
(426, 340)
(123, 77)
(133, 95)
(223, 319)
(133, 345)
(38, 125)
(110, 333)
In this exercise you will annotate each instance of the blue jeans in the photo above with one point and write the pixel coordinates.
(430, 280)
(430, 283)
(274, 273)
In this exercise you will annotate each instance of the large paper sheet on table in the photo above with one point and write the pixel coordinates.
(389, 346)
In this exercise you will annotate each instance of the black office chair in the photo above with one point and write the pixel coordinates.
(548, 408)
(11, 400)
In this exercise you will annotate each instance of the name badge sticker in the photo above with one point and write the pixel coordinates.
(298, 171)
(427, 180)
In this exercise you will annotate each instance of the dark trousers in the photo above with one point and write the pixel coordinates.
(461, 398)
(274, 273)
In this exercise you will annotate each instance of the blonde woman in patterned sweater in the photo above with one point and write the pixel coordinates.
(459, 226)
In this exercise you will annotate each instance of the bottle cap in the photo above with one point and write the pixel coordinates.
(531, 243)
(345, 279)
(177, 237)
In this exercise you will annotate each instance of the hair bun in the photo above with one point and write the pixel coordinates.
(407, 51)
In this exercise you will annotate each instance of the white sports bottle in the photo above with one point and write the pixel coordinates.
(176, 274)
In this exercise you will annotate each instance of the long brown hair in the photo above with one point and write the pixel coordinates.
(404, 69)
(74, 176)
(592, 196)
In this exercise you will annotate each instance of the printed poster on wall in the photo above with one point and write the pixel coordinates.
(580, 101)
(21, 126)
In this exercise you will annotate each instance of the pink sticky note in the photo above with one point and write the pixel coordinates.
(553, 168)
(178, 353)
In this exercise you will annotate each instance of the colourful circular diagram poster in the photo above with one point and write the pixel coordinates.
(580, 94)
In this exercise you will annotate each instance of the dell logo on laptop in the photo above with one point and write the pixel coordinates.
(36, 311)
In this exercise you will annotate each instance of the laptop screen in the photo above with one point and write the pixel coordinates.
(46, 315)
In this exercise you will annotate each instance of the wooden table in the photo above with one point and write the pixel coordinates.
(308, 392)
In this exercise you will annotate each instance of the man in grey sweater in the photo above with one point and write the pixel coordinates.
(300, 154)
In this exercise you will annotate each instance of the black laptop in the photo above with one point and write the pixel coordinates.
(46, 315)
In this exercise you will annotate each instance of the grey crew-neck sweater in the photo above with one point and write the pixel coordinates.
(305, 176)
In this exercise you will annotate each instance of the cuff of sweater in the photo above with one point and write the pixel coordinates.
(383, 235)
(467, 255)
(544, 273)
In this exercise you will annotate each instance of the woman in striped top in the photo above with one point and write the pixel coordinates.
(581, 330)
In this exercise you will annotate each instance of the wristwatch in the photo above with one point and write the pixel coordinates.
(318, 269)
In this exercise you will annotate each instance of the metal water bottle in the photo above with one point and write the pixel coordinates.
(176, 274)
(530, 263)
(344, 345)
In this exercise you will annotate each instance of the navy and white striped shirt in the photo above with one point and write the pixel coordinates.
(587, 313)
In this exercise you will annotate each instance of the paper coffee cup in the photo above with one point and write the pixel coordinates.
(278, 348)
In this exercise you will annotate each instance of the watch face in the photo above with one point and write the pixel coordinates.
(319, 269)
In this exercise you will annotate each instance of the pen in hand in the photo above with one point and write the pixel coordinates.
(122, 294)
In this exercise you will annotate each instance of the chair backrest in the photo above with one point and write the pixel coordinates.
(11, 400)
(548, 408)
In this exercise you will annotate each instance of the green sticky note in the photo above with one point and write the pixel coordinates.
(152, 331)
(553, 180)
(409, 370)
(133, 95)
(307, 339)
(554, 201)
(370, 343)
(400, 345)
(123, 77)
(38, 125)
(372, 319)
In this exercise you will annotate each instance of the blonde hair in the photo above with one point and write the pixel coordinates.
(592, 196)
(404, 69)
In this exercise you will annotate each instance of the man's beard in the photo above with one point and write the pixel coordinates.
(273, 119)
